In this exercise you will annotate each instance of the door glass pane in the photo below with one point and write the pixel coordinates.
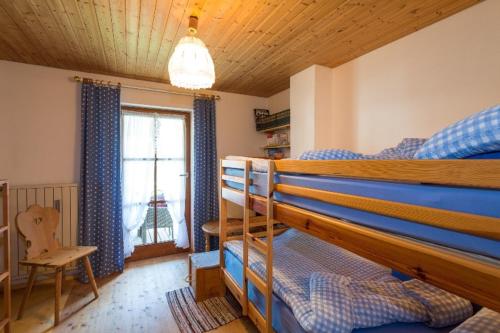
(170, 140)
(170, 175)
(138, 193)
(171, 192)
(138, 136)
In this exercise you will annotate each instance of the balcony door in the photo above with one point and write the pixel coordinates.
(156, 191)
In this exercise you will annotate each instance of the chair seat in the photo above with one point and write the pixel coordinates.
(60, 257)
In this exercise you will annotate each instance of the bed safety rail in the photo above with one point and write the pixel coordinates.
(471, 276)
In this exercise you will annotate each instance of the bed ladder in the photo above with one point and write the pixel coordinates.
(242, 198)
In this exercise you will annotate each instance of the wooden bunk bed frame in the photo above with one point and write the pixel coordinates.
(473, 277)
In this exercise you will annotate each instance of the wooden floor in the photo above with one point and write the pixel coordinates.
(133, 301)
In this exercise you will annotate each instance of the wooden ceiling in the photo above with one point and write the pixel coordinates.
(256, 44)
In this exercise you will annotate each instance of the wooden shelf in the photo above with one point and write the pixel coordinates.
(277, 146)
(272, 129)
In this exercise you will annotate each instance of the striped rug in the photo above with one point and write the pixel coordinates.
(192, 317)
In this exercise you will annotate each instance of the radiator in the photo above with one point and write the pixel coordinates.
(63, 197)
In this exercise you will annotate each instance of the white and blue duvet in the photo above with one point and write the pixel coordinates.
(330, 289)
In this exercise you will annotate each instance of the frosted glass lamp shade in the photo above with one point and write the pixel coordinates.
(191, 65)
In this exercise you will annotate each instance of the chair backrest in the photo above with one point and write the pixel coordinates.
(38, 226)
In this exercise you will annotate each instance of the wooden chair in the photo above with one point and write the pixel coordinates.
(38, 226)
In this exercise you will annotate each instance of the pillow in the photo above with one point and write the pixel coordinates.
(330, 154)
(403, 151)
(409, 146)
(479, 133)
(485, 321)
(444, 309)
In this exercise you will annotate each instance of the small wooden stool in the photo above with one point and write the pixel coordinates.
(204, 274)
(212, 229)
(38, 226)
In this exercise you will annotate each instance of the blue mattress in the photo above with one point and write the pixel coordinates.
(469, 200)
(283, 318)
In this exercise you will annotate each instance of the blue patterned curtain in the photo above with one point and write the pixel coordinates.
(206, 203)
(101, 222)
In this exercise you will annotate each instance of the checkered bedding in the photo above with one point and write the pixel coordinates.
(477, 134)
(332, 290)
(485, 321)
(405, 150)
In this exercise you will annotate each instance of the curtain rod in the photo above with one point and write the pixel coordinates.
(119, 84)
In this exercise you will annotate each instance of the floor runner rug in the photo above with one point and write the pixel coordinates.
(192, 317)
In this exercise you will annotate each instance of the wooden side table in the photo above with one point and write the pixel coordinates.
(205, 275)
(212, 229)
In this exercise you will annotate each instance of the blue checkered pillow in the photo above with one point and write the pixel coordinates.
(403, 151)
(485, 321)
(479, 133)
(330, 154)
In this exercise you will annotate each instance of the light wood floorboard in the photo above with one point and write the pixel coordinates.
(133, 301)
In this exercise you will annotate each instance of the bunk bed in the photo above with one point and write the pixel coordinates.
(433, 220)
(427, 209)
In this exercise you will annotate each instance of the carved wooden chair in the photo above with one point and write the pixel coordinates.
(38, 227)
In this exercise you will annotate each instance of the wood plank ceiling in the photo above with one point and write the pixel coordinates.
(256, 44)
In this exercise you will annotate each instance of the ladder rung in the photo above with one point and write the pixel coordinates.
(234, 226)
(257, 243)
(257, 281)
(236, 237)
(4, 229)
(276, 231)
(238, 226)
(3, 276)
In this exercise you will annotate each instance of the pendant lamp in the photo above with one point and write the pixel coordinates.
(191, 66)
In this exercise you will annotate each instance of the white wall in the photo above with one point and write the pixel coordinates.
(323, 115)
(421, 83)
(279, 102)
(310, 110)
(40, 118)
(302, 124)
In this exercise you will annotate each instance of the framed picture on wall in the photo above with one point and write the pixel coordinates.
(260, 113)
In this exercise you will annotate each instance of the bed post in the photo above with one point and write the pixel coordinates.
(222, 221)
(246, 229)
(269, 248)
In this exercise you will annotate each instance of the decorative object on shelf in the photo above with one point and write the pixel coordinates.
(283, 138)
(276, 127)
(273, 121)
(275, 154)
(191, 65)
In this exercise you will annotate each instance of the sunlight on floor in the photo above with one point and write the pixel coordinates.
(133, 301)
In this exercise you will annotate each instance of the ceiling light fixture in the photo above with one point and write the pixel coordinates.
(191, 65)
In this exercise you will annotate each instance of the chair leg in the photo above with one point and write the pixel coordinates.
(90, 275)
(29, 287)
(63, 269)
(207, 243)
(57, 295)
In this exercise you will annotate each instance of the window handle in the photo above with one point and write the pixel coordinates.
(184, 175)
